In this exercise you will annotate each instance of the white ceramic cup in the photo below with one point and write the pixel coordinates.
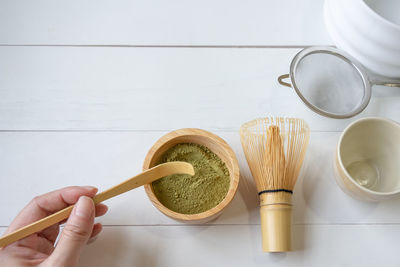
(367, 159)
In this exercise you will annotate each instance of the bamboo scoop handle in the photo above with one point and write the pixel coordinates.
(145, 177)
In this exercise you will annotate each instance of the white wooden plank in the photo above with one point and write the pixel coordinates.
(175, 22)
(240, 245)
(73, 88)
(374, 245)
(35, 163)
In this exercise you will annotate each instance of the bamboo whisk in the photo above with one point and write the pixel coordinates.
(275, 150)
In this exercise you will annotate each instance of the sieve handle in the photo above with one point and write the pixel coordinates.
(379, 80)
(386, 83)
(284, 76)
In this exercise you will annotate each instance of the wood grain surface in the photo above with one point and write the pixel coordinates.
(87, 87)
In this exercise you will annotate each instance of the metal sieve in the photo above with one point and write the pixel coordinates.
(331, 82)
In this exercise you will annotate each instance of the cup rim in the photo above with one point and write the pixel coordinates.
(380, 17)
(339, 159)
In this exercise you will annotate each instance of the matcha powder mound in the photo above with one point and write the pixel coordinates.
(193, 194)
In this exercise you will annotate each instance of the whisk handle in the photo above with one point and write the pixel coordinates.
(276, 221)
(276, 224)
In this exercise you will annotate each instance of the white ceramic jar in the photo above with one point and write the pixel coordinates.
(369, 30)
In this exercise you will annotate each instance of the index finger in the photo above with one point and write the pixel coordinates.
(44, 205)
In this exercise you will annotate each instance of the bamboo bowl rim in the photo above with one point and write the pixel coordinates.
(230, 161)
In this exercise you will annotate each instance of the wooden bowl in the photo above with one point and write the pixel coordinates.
(216, 145)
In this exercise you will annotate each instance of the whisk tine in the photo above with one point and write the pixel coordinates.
(274, 158)
(257, 136)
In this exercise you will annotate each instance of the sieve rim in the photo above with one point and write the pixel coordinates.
(344, 56)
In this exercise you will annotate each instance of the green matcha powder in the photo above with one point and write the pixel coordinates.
(193, 194)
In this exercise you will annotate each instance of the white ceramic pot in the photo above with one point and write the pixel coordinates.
(369, 30)
(367, 159)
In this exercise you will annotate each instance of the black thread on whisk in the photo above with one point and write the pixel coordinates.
(275, 190)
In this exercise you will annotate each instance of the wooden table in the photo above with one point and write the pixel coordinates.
(87, 87)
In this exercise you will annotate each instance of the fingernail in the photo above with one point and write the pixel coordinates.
(91, 240)
(88, 187)
(84, 207)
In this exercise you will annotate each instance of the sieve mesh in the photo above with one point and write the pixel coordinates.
(329, 82)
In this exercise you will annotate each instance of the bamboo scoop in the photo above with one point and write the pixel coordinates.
(145, 177)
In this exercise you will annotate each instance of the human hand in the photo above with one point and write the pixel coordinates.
(39, 249)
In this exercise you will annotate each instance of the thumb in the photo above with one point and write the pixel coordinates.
(75, 234)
